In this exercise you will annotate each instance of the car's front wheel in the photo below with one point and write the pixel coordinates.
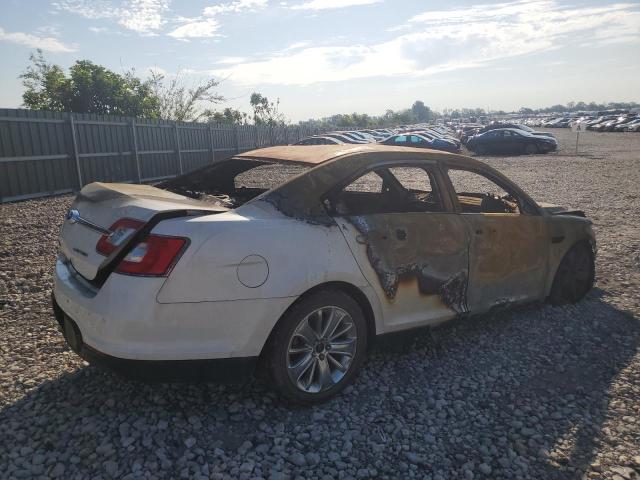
(530, 149)
(318, 347)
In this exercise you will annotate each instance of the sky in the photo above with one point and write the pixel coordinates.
(321, 57)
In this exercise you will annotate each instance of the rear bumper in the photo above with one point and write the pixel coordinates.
(227, 370)
(124, 320)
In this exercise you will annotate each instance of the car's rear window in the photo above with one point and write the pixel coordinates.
(269, 176)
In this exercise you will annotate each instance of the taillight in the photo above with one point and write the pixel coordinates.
(121, 231)
(155, 256)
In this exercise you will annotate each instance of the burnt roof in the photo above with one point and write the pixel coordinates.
(317, 154)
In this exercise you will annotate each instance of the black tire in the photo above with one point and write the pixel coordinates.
(531, 148)
(278, 354)
(575, 275)
(480, 150)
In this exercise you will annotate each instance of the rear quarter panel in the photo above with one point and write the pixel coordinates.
(300, 255)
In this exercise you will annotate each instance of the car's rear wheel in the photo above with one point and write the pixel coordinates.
(480, 149)
(318, 347)
(530, 149)
(575, 275)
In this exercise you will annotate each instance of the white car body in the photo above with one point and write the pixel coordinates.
(243, 268)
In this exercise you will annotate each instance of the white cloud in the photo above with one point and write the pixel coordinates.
(48, 44)
(332, 4)
(444, 40)
(237, 6)
(230, 60)
(196, 29)
(142, 16)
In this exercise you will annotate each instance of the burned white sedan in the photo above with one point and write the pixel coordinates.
(296, 257)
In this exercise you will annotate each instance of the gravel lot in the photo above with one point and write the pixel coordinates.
(539, 392)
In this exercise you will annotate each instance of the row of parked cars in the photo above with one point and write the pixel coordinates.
(615, 121)
(495, 138)
(436, 137)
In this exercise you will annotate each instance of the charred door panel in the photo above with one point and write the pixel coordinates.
(507, 258)
(416, 262)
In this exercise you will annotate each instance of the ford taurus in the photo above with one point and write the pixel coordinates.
(294, 258)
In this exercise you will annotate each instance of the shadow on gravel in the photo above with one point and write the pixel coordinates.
(525, 392)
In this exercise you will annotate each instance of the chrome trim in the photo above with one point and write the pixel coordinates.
(73, 216)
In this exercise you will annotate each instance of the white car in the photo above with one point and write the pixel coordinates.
(298, 256)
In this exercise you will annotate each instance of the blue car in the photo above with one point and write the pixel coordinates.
(421, 140)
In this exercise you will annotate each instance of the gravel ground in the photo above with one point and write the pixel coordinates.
(537, 392)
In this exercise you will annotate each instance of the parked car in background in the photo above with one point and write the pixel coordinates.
(510, 141)
(518, 126)
(296, 257)
(344, 138)
(418, 140)
(319, 140)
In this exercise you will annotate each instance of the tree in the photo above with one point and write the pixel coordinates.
(266, 112)
(420, 112)
(89, 88)
(228, 116)
(178, 102)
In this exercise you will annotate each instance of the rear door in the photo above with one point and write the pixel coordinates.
(508, 246)
(408, 243)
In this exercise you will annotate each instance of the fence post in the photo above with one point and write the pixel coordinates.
(213, 150)
(135, 149)
(178, 153)
(75, 150)
(235, 132)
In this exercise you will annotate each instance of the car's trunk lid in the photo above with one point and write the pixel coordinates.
(99, 205)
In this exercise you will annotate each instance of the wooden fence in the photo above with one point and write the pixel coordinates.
(49, 153)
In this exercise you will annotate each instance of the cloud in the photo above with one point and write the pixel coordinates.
(230, 60)
(48, 44)
(237, 6)
(446, 40)
(207, 26)
(196, 29)
(143, 16)
(332, 4)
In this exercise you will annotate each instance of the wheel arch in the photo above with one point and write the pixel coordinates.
(353, 291)
(586, 240)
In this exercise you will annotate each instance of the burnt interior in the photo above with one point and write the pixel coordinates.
(232, 183)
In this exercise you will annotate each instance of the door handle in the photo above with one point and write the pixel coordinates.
(401, 234)
(479, 231)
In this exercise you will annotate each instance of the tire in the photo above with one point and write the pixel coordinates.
(575, 275)
(530, 149)
(306, 369)
(480, 150)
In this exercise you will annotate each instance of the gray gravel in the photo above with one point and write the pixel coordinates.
(538, 392)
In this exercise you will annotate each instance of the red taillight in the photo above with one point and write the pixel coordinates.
(121, 231)
(154, 256)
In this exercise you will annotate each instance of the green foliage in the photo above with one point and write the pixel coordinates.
(266, 112)
(418, 113)
(228, 116)
(89, 88)
(178, 102)
(581, 107)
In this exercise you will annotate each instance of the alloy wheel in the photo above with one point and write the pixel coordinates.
(321, 349)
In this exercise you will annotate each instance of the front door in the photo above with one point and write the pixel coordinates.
(411, 248)
(508, 246)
